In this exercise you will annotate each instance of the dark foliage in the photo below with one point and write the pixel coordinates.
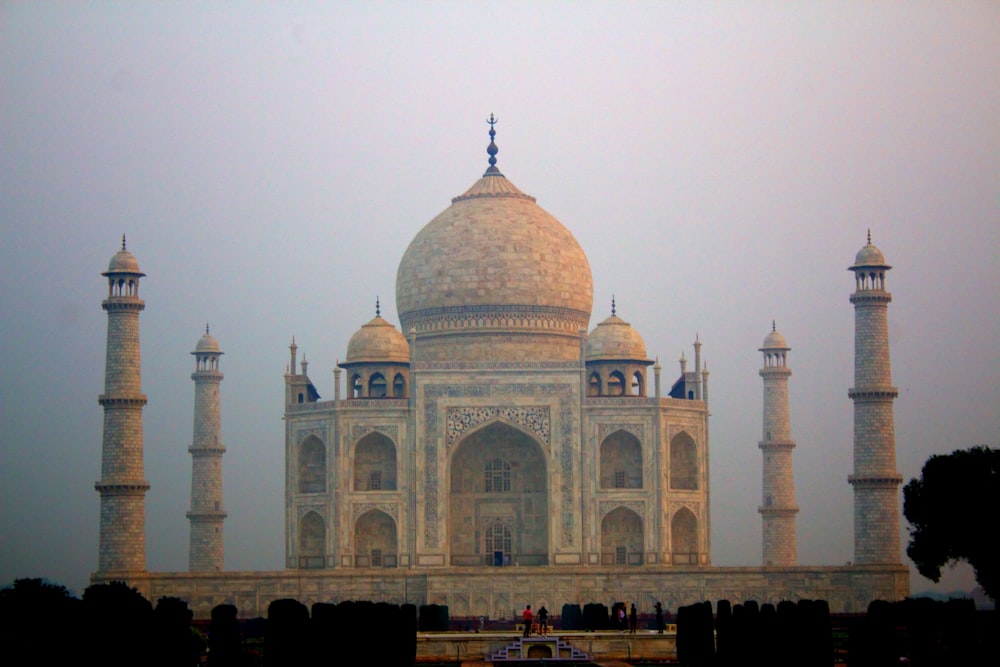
(595, 616)
(176, 644)
(39, 620)
(225, 648)
(119, 623)
(951, 510)
(695, 635)
(434, 617)
(286, 641)
(571, 617)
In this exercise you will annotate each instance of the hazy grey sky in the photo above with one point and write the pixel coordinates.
(720, 163)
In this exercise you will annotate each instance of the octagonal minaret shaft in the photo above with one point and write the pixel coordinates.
(875, 480)
(778, 508)
(206, 515)
(122, 542)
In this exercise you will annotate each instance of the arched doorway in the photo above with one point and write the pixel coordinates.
(375, 541)
(498, 500)
(621, 538)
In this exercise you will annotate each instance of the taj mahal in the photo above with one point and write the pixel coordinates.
(508, 443)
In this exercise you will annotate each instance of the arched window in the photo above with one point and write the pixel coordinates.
(375, 463)
(356, 387)
(684, 537)
(621, 461)
(399, 386)
(312, 542)
(683, 463)
(377, 386)
(497, 542)
(497, 476)
(312, 466)
(594, 385)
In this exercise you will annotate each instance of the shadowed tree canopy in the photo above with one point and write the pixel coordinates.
(952, 513)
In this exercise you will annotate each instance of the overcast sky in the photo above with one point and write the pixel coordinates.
(720, 163)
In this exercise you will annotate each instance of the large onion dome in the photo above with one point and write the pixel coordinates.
(494, 276)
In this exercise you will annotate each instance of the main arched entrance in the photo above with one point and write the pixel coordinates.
(498, 501)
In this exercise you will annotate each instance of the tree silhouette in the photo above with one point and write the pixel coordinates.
(952, 513)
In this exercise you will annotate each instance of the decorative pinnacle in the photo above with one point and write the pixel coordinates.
(774, 327)
(492, 149)
(378, 309)
(206, 328)
(869, 236)
(613, 304)
(123, 240)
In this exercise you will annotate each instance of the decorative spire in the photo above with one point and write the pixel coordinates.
(378, 309)
(123, 240)
(206, 328)
(774, 327)
(492, 149)
(613, 304)
(869, 236)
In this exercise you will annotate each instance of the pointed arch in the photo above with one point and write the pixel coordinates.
(684, 537)
(375, 463)
(399, 386)
(683, 463)
(377, 387)
(375, 540)
(621, 537)
(312, 466)
(616, 384)
(312, 541)
(638, 387)
(621, 461)
(498, 478)
(594, 384)
(357, 387)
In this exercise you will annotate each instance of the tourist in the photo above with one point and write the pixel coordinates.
(633, 620)
(543, 621)
(658, 608)
(528, 617)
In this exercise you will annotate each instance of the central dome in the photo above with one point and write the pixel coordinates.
(495, 262)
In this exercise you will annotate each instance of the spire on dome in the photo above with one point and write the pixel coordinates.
(613, 305)
(492, 149)
(123, 241)
(378, 309)
(869, 236)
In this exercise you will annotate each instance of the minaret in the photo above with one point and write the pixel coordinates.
(778, 509)
(122, 486)
(206, 515)
(875, 480)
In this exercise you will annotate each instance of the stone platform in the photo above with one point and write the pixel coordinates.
(500, 593)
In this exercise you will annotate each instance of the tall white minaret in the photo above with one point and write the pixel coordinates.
(875, 480)
(122, 543)
(206, 515)
(778, 508)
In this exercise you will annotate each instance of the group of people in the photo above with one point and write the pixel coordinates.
(541, 628)
(543, 621)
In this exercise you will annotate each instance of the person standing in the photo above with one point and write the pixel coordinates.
(658, 608)
(543, 621)
(633, 619)
(528, 618)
